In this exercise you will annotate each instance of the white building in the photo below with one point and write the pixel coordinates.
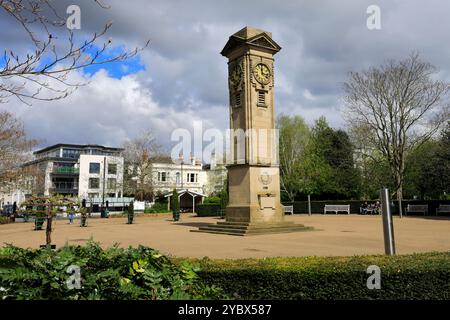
(86, 171)
(192, 175)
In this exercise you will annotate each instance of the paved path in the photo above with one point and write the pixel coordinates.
(340, 235)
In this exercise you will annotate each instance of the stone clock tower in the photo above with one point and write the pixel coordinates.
(253, 175)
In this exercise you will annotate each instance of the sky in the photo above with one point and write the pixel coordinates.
(181, 78)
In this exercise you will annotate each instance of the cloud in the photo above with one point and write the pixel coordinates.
(184, 78)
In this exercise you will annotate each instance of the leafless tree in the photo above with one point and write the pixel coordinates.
(139, 156)
(43, 73)
(15, 147)
(401, 104)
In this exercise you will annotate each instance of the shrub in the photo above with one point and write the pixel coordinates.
(211, 200)
(115, 273)
(416, 276)
(4, 220)
(157, 208)
(208, 210)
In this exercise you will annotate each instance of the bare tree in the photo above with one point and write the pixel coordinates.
(139, 156)
(43, 74)
(402, 106)
(15, 147)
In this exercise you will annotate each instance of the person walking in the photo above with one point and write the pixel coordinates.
(71, 215)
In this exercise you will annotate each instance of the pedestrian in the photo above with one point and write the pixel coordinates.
(71, 215)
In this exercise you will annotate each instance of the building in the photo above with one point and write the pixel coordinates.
(193, 176)
(85, 171)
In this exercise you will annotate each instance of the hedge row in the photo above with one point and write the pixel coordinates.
(208, 210)
(416, 276)
(317, 206)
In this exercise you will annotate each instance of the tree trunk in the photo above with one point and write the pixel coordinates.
(399, 199)
(48, 231)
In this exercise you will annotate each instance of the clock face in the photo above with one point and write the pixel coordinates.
(261, 73)
(235, 76)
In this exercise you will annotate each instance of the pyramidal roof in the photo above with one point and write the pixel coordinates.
(252, 37)
(249, 32)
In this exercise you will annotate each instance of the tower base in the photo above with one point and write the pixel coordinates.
(251, 229)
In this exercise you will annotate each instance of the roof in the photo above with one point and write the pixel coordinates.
(252, 37)
(80, 146)
(183, 191)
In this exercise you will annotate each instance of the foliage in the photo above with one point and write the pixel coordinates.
(175, 205)
(208, 209)
(211, 200)
(294, 138)
(4, 220)
(111, 274)
(224, 198)
(157, 208)
(415, 276)
(340, 178)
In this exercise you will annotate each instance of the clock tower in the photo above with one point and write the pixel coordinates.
(252, 157)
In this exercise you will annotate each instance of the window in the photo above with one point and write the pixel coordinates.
(94, 167)
(94, 183)
(261, 98)
(196, 177)
(111, 195)
(237, 100)
(92, 195)
(70, 153)
(112, 183)
(162, 176)
(112, 168)
(177, 177)
(191, 177)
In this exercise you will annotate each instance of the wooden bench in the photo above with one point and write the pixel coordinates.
(417, 208)
(288, 209)
(337, 208)
(443, 208)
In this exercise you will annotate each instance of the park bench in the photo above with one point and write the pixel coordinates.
(337, 208)
(417, 208)
(443, 208)
(288, 209)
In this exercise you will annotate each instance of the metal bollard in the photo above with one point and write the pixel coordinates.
(388, 227)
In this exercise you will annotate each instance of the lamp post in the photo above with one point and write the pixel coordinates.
(181, 163)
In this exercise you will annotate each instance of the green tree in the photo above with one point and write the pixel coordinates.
(175, 205)
(334, 149)
(294, 137)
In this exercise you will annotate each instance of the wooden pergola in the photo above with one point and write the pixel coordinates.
(181, 193)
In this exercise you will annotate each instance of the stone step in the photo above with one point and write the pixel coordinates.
(242, 230)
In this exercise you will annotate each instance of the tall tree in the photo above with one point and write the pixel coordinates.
(56, 51)
(294, 138)
(336, 150)
(139, 156)
(402, 105)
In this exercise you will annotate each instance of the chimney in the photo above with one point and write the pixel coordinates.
(192, 158)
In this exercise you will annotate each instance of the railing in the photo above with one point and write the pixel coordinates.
(66, 170)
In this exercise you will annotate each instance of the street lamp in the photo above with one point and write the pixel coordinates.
(180, 157)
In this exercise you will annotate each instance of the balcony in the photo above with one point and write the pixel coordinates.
(66, 170)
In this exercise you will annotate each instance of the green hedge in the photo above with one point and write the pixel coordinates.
(157, 208)
(317, 206)
(416, 276)
(208, 210)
